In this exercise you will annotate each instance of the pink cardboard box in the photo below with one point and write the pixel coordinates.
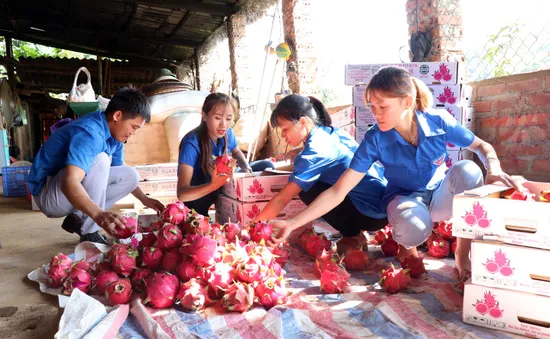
(255, 186)
(343, 117)
(245, 212)
(512, 267)
(350, 129)
(451, 95)
(506, 310)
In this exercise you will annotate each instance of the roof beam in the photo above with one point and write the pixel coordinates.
(191, 5)
(126, 25)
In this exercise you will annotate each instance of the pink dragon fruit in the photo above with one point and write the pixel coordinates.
(193, 295)
(381, 235)
(261, 230)
(82, 265)
(148, 240)
(103, 279)
(139, 278)
(334, 279)
(306, 236)
(162, 290)
(188, 270)
(271, 292)
(186, 246)
(252, 271)
(152, 257)
(175, 213)
(169, 237)
(124, 262)
(57, 275)
(217, 234)
(414, 265)
(62, 261)
(171, 259)
(231, 231)
(394, 280)
(276, 270)
(114, 250)
(225, 164)
(261, 251)
(77, 278)
(118, 292)
(356, 259)
(326, 258)
(390, 248)
(197, 224)
(316, 245)
(281, 253)
(203, 250)
(234, 253)
(439, 247)
(445, 229)
(102, 266)
(130, 228)
(238, 297)
(219, 277)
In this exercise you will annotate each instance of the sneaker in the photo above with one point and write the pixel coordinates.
(93, 237)
(72, 224)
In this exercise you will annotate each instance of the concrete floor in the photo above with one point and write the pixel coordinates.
(29, 239)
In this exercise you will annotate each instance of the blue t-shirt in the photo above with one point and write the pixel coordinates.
(326, 156)
(409, 169)
(77, 143)
(190, 153)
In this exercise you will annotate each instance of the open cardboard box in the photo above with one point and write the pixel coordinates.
(518, 268)
(506, 310)
(481, 213)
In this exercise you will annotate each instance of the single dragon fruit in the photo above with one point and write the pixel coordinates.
(238, 297)
(103, 279)
(169, 236)
(171, 259)
(219, 277)
(253, 271)
(306, 236)
(61, 260)
(124, 261)
(162, 290)
(327, 258)
(271, 292)
(197, 224)
(225, 164)
(57, 275)
(152, 257)
(394, 280)
(188, 270)
(445, 229)
(383, 234)
(139, 278)
(390, 248)
(439, 247)
(130, 228)
(334, 279)
(261, 230)
(203, 250)
(281, 253)
(414, 265)
(118, 292)
(148, 240)
(316, 245)
(78, 278)
(175, 213)
(231, 231)
(356, 260)
(193, 295)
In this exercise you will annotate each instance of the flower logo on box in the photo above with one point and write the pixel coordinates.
(447, 96)
(256, 187)
(500, 263)
(477, 216)
(489, 305)
(254, 212)
(238, 190)
(443, 73)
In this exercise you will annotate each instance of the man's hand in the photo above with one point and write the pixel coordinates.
(153, 204)
(109, 221)
(499, 176)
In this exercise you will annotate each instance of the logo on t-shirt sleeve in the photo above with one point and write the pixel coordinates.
(439, 160)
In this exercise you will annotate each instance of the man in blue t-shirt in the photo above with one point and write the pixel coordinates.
(79, 172)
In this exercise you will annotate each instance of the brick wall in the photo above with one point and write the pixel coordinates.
(513, 114)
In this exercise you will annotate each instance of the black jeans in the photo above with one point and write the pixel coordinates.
(346, 218)
(202, 205)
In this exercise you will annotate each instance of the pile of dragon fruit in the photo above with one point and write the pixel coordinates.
(182, 259)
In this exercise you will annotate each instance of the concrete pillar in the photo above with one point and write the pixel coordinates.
(443, 19)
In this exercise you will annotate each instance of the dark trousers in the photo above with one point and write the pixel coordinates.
(346, 218)
(202, 205)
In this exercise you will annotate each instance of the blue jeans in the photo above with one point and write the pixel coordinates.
(412, 216)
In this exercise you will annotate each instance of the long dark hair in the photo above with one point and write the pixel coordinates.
(211, 102)
(397, 82)
(295, 106)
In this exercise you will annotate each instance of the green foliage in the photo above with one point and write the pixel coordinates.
(327, 96)
(24, 49)
(497, 47)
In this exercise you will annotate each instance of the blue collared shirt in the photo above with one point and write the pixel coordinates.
(326, 156)
(77, 143)
(409, 169)
(190, 153)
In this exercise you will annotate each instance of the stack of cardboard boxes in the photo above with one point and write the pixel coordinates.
(245, 195)
(444, 80)
(159, 181)
(510, 285)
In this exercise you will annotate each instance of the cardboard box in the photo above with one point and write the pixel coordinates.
(451, 95)
(350, 129)
(360, 132)
(464, 115)
(245, 212)
(448, 73)
(257, 186)
(453, 157)
(357, 99)
(158, 171)
(364, 117)
(510, 311)
(517, 268)
(155, 186)
(524, 223)
(343, 117)
(164, 197)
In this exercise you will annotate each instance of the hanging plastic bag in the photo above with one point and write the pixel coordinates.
(83, 92)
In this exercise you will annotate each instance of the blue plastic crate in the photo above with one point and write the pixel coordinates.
(14, 180)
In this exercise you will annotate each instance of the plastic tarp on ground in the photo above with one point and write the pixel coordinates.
(430, 308)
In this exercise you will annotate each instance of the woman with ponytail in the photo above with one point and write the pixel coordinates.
(198, 181)
(326, 156)
(410, 140)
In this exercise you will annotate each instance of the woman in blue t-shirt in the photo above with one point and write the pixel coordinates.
(409, 140)
(326, 155)
(198, 181)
